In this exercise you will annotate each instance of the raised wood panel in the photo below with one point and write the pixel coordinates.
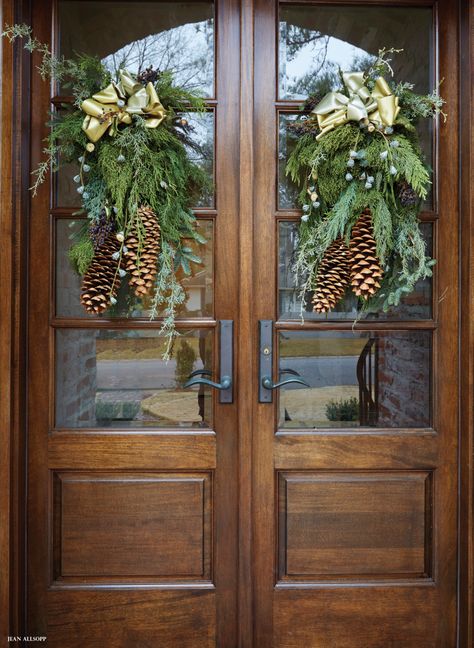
(134, 450)
(126, 525)
(131, 619)
(354, 525)
(358, 617)
(355, 450)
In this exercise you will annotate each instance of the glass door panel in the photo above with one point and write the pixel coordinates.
(199, 285)
(316, 41)
(417, 305)
(108, 378)
(366, 379)
(176, 36)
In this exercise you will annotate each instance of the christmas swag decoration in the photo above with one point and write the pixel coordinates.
(136, 180)
(363, 180)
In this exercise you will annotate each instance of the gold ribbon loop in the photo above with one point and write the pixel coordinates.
(116, 104)
(379, 106)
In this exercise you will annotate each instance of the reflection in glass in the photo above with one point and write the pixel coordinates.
(315, 41)
(107, 378)
(379, 379)
(199, 286)
(177, 36)
(287, 189)
(66, 188)
(416, 305)
(201, 150)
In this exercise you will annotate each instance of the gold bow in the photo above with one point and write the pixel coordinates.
(116, 104)
(379, 106)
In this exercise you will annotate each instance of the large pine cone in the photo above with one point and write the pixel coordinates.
(102, 280)
(333, 276)
(366, 272)
(141, 258)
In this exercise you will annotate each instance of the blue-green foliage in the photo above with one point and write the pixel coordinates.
(352, 168)
(134, 167)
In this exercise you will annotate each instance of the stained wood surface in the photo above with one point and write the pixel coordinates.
(135, 450)
(466, 513)
(130, 525)
(15, 72)
(359, 616)
(316, 583)
(135, 531)
(131, 618)
(358, 524)
(408, 609)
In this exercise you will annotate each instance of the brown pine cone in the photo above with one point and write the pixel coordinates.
(332, 278)
(102, 279)
(366, 272)
(141, 258)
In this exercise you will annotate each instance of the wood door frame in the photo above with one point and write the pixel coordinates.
(16, 70)
(466, 434)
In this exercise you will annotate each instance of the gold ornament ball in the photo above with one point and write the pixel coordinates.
(314, 196)
(371, 128)
(90, 147)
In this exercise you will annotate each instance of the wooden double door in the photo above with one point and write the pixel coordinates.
(319, 516)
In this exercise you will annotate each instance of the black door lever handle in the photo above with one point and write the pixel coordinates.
(226, 348)
(266, 385)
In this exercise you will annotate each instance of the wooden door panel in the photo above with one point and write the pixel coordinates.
(145, 618)
(353, 525)
(355, 534)
(335, 451)
(358, 617)
(136, 537)
(163, 451)
(131, 525)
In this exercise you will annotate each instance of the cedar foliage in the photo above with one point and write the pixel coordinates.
(391, 158)
(137, 166)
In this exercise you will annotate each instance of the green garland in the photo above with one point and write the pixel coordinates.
(131, 166)
(358, 164)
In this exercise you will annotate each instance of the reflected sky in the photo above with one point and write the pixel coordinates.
(317, 41)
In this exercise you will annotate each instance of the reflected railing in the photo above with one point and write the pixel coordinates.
(367, 377)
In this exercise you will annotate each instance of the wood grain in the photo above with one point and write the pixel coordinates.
(128, 619)
(6, 330)
(358, 617)
(466, 512)
(354, 524)
(82, 450)
(120, 531)
(246, 344)
(130, 525)
(393, 450)
(322, 614)
(226, 300)
(14, 215)
(244, 449)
